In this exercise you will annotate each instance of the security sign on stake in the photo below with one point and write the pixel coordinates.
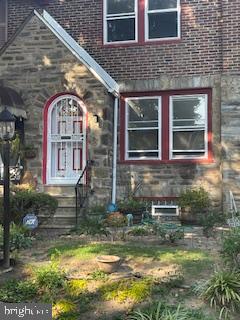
(30, 221)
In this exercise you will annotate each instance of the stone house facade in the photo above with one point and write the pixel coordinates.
(173, 68)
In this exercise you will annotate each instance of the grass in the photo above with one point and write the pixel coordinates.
(75, 299)
(192, 262)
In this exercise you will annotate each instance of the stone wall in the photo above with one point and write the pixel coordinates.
(231, 137)
(37, 65)
(165, 180)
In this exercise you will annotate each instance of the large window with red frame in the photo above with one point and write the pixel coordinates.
(128, 21)
(168, 126)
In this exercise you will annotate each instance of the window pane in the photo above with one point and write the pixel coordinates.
(142, 124)
(162, 4)
(143, 140)
(121, 29)
(2, 11)
(188, 140)
(143, 155)
(180, 155)
(143, 110)
(163, 25)
(189, 111)
(120, 6)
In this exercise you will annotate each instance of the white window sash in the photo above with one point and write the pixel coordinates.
(127, 15)
(172, 129)
(127, 129)
(146, 27)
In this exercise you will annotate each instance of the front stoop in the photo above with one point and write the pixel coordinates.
(65, 216)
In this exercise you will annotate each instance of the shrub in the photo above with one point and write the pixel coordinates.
(18, 291)
(19, 238)
(140, 231)
(168, 232)
(194, 200)
(115, 220)
(131, 205)
(50, 277)
(222, 291)
(231, 247)
(92, 227)
(26, 201)
(209, 220)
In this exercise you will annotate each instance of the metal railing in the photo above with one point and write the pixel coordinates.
(82, 189)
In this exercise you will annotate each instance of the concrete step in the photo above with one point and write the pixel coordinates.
(61, 191)
(66, 201)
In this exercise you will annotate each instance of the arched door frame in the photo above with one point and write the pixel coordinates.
(46, 151)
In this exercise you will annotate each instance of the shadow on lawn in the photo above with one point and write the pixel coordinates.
(192, 261)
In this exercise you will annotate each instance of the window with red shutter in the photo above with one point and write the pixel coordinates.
(3, 22)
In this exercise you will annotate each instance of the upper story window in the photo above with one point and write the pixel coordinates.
(120, 21)
(128, 21)
(3, 22)
(162, 19)
(167, 126)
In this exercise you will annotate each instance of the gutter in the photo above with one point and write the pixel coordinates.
(114, 161)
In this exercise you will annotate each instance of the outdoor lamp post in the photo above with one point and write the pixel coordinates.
(7, 131)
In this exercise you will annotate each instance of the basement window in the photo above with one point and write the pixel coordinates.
(165, 211)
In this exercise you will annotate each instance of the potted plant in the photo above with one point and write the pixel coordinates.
(194, 204)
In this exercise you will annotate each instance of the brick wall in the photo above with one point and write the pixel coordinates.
(198, 52)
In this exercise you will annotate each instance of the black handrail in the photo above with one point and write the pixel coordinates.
(82, 189)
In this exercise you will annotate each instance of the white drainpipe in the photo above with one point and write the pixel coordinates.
(115, 146)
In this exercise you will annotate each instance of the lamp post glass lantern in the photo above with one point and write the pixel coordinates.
(7, 125)
(7, 131)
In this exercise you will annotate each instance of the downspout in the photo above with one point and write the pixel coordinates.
(115, 146)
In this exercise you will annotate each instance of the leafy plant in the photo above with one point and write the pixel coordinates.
(98, 275)
(18, 291)
(50, 277)
(115, 220)
(162, 311)
(64, 309)
(131, 205)
(26, 201)
(140, 231)
(75, 287)
(19, 238)
(208, 221)
(231, 247)
(135, 290)
(222, 291)
(196, 200)
(92, 227)
(168, 232)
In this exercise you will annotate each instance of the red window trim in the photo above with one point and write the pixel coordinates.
(140, 31)
(165, 127)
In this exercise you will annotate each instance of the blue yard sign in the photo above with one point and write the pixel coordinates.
(30, 221)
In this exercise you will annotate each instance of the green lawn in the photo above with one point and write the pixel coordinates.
(97, 296)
